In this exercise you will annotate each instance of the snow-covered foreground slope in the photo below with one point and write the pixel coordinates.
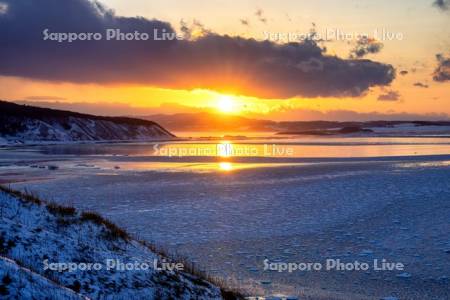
(20, 282)
(35, 235)
(21, 124)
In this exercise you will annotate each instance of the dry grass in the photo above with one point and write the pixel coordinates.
(25, 196)
(115, 232)
(59, 210)
(228, 293)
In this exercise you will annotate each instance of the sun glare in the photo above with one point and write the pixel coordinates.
(225, 149)
(226, 104)
(225, 166)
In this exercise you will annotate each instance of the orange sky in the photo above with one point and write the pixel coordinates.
(425, 33)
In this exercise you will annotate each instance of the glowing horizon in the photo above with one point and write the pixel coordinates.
(413, 91)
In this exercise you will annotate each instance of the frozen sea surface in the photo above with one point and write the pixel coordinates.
(229, 220)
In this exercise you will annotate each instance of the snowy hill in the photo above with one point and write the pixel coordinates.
(40, 241)
(27, 124)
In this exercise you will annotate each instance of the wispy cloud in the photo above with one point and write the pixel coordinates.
(45, 98)
(389, 96)
(244, 22)
(421, 85)
(349, 115)
(260, 15)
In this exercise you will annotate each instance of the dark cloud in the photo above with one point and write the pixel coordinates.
(404, 72)
(422, 85)
(389, 96)
(365, 46)
(210, 61)
(442, 4)
(442, 72)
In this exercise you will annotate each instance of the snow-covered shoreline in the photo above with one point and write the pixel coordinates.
(34, 233)
(22, 124)
(30, 143)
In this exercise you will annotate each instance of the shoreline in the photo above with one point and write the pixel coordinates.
(108, 233)
(320, 209)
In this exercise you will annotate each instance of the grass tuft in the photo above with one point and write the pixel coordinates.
(59, 210)
(228, 293)
(114, 231)
(24, 196)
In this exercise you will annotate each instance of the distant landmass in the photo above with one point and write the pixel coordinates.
(24, 124)
(28, 124)
(343, 130)
(211, 122)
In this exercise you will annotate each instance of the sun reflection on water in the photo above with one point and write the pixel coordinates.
(225, 166)
(225, 149)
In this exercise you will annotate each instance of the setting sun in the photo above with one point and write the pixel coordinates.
(226, 104)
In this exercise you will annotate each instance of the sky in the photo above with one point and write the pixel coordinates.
(247, 57)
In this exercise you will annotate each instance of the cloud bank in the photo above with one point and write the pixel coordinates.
(349, 115)
(222, 63)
